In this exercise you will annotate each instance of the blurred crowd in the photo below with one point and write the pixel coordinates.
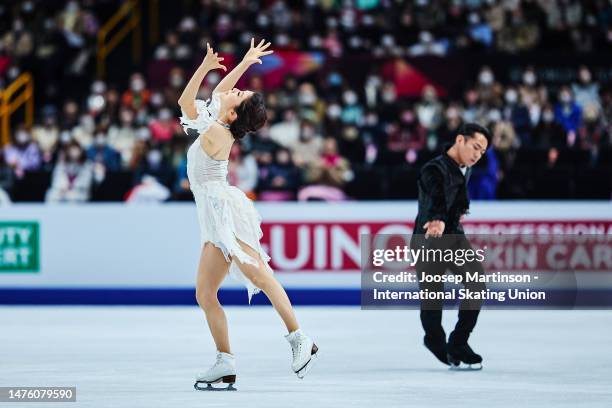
(318, 131)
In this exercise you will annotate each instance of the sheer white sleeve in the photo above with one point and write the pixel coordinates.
(207, 111)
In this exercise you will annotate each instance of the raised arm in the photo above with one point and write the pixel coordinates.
(251, 57)
(187, 99)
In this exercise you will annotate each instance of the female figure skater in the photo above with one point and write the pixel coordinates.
(229, 224)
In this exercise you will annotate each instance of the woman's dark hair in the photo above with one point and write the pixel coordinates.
(470, 130)
(251, 116)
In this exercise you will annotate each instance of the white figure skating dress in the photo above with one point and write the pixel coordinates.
(225, 213)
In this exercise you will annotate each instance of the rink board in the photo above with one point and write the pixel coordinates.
(122, 254)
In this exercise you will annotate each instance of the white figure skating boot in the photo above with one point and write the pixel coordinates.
(223, 371)
(304, 352)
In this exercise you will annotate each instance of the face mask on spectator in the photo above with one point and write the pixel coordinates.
(429, 95)
(100, 140)
(425, 37)
(98, 87)
(494, 116)
(213, 78)
(334, 111)
(529, 78)
(162, 53)
(72, 7)
(511, 96)
(165, 114)
(176, 80)
(12, 73)
(334, 79)
(486, 77)
(74, 153)
(188, 24)
(18, 26)
(371, 119)
(388, 96)
(350, 98)
(282, 157)
(22, 137)
(137, 85)
(127, 117)
(157, 100)
(452, 114)
(585, 76)
(307, 133)
(154, 157)
(548, 116)
(49, 24)
(307, 98)
(263, 20)
(87, 123)
(315, 41)
(95, 103)
(65, 137)
(350, 133)
(432, 143)
(27, 7)
(407, 117)
(565, 97)
(282, 40)
(143, 133)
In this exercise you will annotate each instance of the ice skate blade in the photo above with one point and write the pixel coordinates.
(301, 373)
(466, 367)
(228, 379)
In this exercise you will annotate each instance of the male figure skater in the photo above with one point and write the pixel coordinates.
(443, 200)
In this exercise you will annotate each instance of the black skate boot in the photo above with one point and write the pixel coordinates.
(437, 347)
(462, 357)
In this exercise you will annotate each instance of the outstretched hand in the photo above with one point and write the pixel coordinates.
(212, 59)
(434, 228)
(255, 53)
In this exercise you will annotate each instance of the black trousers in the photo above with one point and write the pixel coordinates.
(431, 310)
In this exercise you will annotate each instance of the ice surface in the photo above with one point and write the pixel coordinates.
(148, 357)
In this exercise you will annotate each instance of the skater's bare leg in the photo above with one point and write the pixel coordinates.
(266, 281)
(212, 270)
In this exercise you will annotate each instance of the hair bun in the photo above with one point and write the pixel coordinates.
(251, 116)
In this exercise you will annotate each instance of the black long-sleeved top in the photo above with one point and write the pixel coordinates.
(442, 194)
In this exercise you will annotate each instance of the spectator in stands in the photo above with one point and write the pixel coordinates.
(504, 138)
(483, 181)
(549, 133)
(282, 179)
(567, 111)
(72, 178)
(154, 164)
(102, 155)
(331, 169)
(243, 171)
(23, 154)
(307, 149)
(165, 126)
(586, 91)
(181, 190)
(364, 111)
(46, 135)
(429, 110)
(122, 137)
(517, 113)
(137, 97)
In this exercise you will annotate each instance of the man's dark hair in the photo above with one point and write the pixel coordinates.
(470, 130)
(251, 116)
